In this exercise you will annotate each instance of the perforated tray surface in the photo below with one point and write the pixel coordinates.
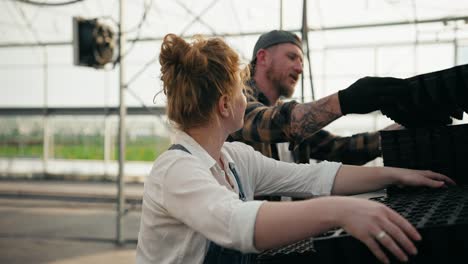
(441, 216)
(429, 207)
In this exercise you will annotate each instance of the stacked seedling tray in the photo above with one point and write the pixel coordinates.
(441, 217)
(441, 149)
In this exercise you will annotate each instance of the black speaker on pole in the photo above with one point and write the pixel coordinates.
(93, 43)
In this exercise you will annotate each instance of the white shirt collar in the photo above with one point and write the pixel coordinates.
(191, 145)
(227, 159)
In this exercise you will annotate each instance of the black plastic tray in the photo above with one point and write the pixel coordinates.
(440, 215)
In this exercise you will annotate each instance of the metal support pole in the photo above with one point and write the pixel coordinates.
(455, 45)
(305, 48)
(304, 39)
(45, 121)
(45, 144)
(415, 57)
(256, 33)
(416, 38)
(376, 73)
(107, 144)
(281, 14)
(375, 114)
(123, 111)
(455, 52)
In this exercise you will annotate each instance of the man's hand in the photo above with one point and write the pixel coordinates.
(415, 102)
(372, 93)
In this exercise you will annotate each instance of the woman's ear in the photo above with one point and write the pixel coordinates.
(224, 106)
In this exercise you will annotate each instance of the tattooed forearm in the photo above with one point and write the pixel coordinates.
(308, 118)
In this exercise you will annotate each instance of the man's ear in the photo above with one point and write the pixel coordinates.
(224, 106)
(261, 56)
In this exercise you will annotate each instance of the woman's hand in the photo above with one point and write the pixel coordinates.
(358, 179)
(377, 225)
(427, 178)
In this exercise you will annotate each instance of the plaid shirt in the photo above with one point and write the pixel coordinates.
(265, 125)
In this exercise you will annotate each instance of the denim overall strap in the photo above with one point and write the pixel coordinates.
(220, 255)
(241, 190)
(217, 254)
(179, 147)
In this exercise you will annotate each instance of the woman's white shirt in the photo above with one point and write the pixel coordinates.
(187, 200)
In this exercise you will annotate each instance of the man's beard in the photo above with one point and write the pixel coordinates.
(283, 90)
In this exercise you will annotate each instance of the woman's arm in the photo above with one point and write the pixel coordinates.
(357, 179)
(282, 223)
(278, 224)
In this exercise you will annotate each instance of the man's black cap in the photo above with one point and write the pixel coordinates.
(275, 37)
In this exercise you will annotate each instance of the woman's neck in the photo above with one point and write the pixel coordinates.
(211, 139)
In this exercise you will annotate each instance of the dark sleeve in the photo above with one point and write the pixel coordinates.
(356, 150)
(267, 124)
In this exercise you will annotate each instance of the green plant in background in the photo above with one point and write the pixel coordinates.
(78, 147)
(144, 148)
(83, 147)
(14, 144)
(82, 139)
(31, 151)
